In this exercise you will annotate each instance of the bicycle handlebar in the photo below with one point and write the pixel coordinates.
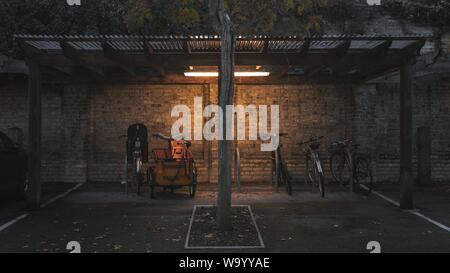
(344, 142)
(161, 136)
(313, 139)
(166, 138)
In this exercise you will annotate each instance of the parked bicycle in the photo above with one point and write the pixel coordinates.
(347, 165)
(314, 170)
(279, 169)
(174, 166)
(136, 155)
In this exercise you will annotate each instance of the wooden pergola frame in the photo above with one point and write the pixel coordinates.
(335, 58)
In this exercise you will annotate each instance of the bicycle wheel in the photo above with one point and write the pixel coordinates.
(285, 178)
(139, 175)
(151, 182)
(310, 171)
(139, 181)
(320, 178)
(193, 186)
(363, 175)
(340, 169)
(274, 170)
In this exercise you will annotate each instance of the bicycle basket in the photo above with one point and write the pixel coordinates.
(161, 154)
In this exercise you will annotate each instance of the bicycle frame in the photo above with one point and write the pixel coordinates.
(174, 166)
(316, 159)
(316, 174)
(280, 168)
(348, 152)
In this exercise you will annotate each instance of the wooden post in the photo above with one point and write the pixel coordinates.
(424, 156)
(226, 94)
(223, 25)
(406, 134)
(34, 135)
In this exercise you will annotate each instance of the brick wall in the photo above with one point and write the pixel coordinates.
(82, 124)
(377, 114)
(14, 113)
(114, 108)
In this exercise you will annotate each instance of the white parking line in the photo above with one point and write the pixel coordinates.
(23, 216)
(418, 214)
(13, 221)
(56, 198)
(186, 245)
(444, 227)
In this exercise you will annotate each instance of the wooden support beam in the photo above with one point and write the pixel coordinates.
(384, 65)
(76, 57)
(65, 69)
(335, 55)
(304, 50)
(360, 60)
(34, 138)
(265, 47)
(12, 66)
(187, 47)
(112, 54)
(406, 134)
(424, 156)
(148, 50)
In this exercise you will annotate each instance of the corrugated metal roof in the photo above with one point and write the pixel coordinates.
(211, 43)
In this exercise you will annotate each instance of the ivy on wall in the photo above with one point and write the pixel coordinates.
(428, 12)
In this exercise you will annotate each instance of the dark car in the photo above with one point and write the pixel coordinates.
(13, 169)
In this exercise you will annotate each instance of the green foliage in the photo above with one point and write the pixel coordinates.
(56, 17)
(276, 17)
(248, 16)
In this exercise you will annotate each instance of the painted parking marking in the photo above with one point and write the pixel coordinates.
(444, 227)
(54, 199)
(418, 214)
(62, 195)
(261, 241)
(13, 221)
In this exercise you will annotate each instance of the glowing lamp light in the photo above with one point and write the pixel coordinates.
(236, 74)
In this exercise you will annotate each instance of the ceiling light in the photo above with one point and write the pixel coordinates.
(236, 74)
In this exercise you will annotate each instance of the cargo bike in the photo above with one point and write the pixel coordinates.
(173, 167)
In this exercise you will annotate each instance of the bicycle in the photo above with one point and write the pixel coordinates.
(314, 170)
(136, 154)
(279, 168)
(347, 166)
(174, 167)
